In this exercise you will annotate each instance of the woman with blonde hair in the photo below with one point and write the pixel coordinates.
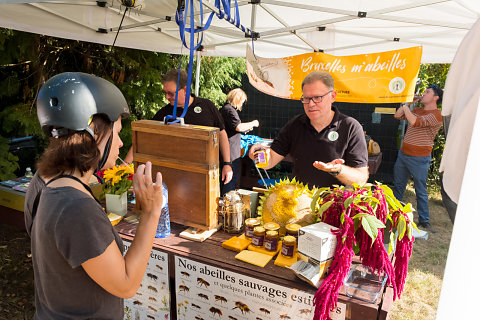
(234, 128)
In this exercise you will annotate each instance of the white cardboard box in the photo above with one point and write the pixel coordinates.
(317, 241)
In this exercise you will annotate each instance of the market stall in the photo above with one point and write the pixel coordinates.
(203, 275)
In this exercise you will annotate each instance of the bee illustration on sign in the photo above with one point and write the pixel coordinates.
(215, 311)
(305, 311)
(220, 298)
(242, 306)
(198, 318)
(152, 308)
(152, 288)
(158, 267)
(201, 282)
(152, 276)
(183, 288)
(284, 316)
(203, 296)
(186, 274)
(264, 310)
(150, 317)
(196, 306)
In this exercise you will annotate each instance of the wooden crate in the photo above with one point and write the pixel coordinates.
(187, 157)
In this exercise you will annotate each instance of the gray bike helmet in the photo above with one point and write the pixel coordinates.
(68, 100)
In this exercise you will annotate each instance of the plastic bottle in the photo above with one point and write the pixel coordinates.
(29, 173)
(163, 227)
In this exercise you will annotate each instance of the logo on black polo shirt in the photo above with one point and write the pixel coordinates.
(197, 109)
(333, 135)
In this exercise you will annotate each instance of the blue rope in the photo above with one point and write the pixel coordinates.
(181, 20)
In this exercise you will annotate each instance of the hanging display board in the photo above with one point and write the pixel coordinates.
(207, 292)
(383, 77)
(152, 300)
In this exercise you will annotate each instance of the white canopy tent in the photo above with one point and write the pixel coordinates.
(284, 28)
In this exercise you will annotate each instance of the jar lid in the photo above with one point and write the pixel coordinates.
(293, 227)
(252, 222)
(289, 239)
(259, 229)
(271, 226)
(272, 233)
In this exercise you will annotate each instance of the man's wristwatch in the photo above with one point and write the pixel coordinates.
(227, 163)
(336, 173)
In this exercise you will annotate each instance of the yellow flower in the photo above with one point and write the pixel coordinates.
(115, 174)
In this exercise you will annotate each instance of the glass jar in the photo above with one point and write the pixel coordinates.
(261, 158)
(250, 224)
(292, 230)
(232, 210)
(271, 240)
(271, 226)
(258, 236)
(288, 246)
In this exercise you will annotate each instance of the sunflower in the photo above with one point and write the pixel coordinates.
(116, 174)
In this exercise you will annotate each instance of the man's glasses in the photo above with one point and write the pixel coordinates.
(316, 99)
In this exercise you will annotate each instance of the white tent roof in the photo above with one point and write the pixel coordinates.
(339, 27)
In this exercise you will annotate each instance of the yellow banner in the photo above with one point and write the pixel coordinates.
(384, 77)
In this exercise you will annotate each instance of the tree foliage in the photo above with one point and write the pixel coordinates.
(434, 74)
(28, 60)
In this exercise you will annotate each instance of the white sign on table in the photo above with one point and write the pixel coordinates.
(207, 292)
(152, 301)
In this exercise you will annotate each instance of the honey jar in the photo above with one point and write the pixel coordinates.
(260, 156)
(271, 240)
(258, 236)
(250, 224)
(271, 226)
(288, 246)
(292, 230)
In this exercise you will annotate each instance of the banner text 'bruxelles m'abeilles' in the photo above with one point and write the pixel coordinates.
(384, 77)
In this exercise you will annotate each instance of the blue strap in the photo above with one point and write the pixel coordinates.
(181, 19)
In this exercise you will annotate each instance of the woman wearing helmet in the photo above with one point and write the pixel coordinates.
(79, 268)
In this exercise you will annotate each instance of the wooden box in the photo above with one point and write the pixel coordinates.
(187, 157)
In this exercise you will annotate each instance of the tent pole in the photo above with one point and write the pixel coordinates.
(253, 18)
(197, 75)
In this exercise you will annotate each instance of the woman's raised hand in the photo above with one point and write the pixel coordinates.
(148, 193)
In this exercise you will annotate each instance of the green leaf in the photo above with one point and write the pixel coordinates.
(401, 227)
(391, 242)
(407, 208)
(370, 230)
(348, 202)
(371, 225)
(313, 204)
(409, 232)
(324, 207)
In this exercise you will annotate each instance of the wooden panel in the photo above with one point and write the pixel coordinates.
(192, 143)
(187, 157)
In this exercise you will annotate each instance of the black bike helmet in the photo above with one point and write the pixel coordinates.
(68, 100)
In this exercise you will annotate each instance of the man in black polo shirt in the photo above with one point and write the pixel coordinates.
(327, 147)
(200, 112)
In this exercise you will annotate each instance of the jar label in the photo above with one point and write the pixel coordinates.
(257, 240)
(248, 231)
(271, 244)
(287, 251)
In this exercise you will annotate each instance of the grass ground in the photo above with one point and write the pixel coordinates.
(427, 264)
(419, 299)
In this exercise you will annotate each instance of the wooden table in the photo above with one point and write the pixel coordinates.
(210, 252)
